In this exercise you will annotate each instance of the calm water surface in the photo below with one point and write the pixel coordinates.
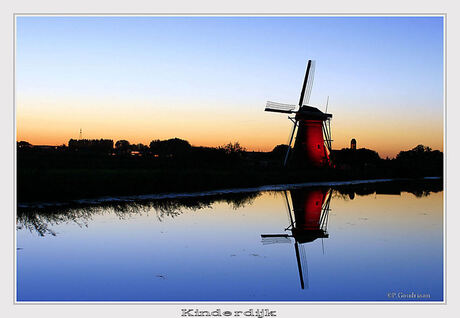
(301, 245)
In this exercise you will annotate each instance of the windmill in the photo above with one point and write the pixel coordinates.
(313, 142)
(308, 222)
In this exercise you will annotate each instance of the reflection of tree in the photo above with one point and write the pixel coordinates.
(240, 200)
(419, 193)
(419, 188)
(346, 196)
(40, 220)
(34, 223)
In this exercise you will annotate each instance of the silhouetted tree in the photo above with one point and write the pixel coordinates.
(420, 161)
(233, 148)
(23, 145)
(91, 145)
(233, 153)
(416, 152)
(355, 158)
(279, 151)
(122, 147)
(143, 149)
(170, 148)
(155, 146)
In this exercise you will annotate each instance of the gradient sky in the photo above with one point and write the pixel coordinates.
(206, 79)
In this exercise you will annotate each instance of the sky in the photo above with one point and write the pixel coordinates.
(207, 79)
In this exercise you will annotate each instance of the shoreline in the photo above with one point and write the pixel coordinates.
(179, 195)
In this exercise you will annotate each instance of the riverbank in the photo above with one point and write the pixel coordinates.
(106, 186)
(66, 184)
(63, 174)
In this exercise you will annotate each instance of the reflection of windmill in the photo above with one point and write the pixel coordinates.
(308, 221)
(310, 145)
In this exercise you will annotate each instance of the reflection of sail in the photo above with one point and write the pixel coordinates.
(304, 264)
(301, 264)
(308, 221)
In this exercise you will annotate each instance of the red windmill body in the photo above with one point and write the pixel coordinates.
(313, 140)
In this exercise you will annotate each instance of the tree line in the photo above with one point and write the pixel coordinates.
(420, 160)
(169, 147)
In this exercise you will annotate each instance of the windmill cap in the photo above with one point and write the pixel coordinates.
(309, 112)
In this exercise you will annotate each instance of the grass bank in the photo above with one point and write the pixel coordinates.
(66, 184)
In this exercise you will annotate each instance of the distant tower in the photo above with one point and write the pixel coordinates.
(80, 133)
(353, 144)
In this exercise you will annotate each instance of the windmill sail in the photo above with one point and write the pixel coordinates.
(279, 107)
(290, 142)
(275, 239)
(303, 267)
(308, 83)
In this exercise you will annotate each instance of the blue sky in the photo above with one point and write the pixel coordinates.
(373, 68)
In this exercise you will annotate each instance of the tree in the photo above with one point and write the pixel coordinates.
(23, 145)
(233, 148)
(416, 152)
(91, 145)
(143, 149)
(122, 147)
(355, 157)
(174, 147)
(280, 151)
(420, 161)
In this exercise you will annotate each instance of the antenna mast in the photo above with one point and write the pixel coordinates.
(80, 134)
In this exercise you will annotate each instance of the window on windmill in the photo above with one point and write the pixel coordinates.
(319, 146)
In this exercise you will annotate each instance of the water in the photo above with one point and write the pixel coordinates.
(367, 243)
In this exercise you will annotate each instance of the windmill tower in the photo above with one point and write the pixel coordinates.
(313, 142)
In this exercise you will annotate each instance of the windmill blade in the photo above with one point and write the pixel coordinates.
(279, 107)
(325, 211)
(309, 84)
(299, 264)
(304, 85)
(290, 142)
(327, 104)
(288, 207)
(303, 258)
(268, 239)
(327, 135)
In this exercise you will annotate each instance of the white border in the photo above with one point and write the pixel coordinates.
(217, 302)
(282, 311)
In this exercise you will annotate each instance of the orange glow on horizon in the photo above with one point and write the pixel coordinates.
(205, 125)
